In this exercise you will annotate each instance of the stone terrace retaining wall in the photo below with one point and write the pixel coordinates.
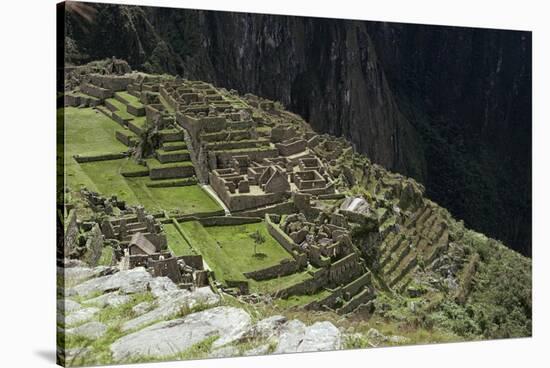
(228, 220)
(114, 82)
(352, 289)
(195, 261)
(198, 215)
(279, 209)
(171, 172)
(99, 92)
(361, 298)
(309, 286)
(344, 269)
(286, 241)
(328, 301)
(286, 267)
(105, 157)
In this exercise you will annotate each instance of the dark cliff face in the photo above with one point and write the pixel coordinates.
(448, 106)
(468, 94)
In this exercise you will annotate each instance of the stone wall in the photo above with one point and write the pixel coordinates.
(286, 242)
(242, 201)
(125, 137)
(225, 158)
(331, 196)
(318, 280)
(194, 261)
(284, 268)
(119, 119)
(171, 136)
(98, 92)
(354, 286)
(105, 157)
(94, 245)
(71, 233)
(231, 145)
(228, 220)
(113, 82)
(344, 269)
(198, 215)
(289, 148)
(279, 209)
(359, 299)
(74, 100)
(342, 293)
(171, 172)
(135, 110)
(241, 285)
(329, 301)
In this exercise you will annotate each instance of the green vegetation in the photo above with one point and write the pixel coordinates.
(121, 109)
(106, 258)
(174, 145)
(86, 132)
(478, 289)
(258, 239)
(501, 298)
(139, 121)
(131, 99)
(105, 177)
(278, 283)
(114, 317)
(153, 163)
(176, 242)
(229, 250)
(301, 300)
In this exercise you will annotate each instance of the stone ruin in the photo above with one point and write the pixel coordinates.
(260, 161)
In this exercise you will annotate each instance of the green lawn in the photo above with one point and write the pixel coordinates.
(153, 163)
(229, 250)
(176, 243)
(184, 200)
(85, 131)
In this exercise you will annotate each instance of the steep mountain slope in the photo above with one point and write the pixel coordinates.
(447, 106)
(374, 251)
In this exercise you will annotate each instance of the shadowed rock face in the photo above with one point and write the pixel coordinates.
(448, 106)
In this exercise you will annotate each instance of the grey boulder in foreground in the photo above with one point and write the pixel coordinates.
(176, 336)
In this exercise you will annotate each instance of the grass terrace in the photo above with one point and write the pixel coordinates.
(120, 109)
(85, 131)
(105, 177)
(176, 242)
(139, 121)
(131, 99)
(229, 250)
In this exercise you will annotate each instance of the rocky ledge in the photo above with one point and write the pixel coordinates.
(131, 316)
